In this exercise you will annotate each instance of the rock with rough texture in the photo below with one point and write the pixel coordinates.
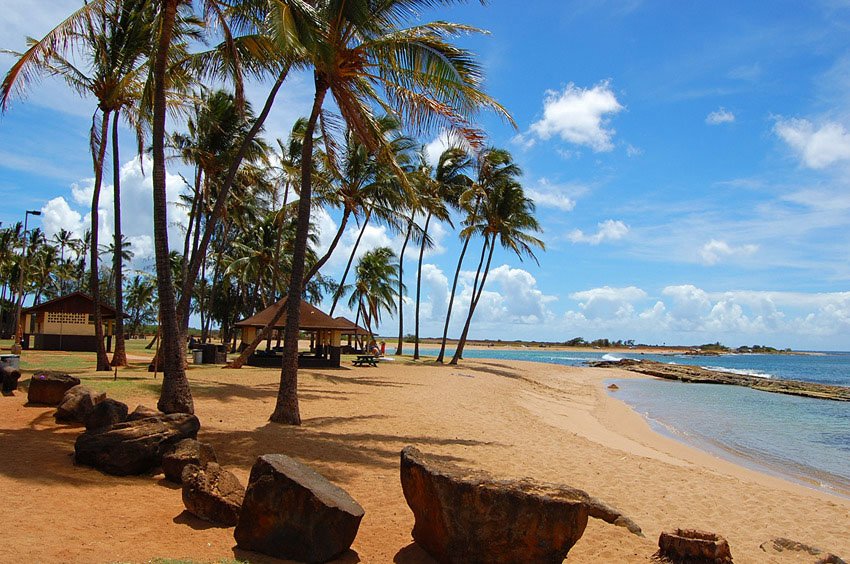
(693, 547)
(107, 413)
(212, 493)
(184, 453)
(48, 387)
(133, 447)
(292, 512)
(468, 517)
(9, 379)
(830, 558)
(77, 403)
(142, 412)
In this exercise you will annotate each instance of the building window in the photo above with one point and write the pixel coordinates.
(67, 318)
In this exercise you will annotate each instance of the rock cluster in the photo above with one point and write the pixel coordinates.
(107, 413)
(133, 447)
(292, 512)
(9, 379)
(48, 387)
(77, 404)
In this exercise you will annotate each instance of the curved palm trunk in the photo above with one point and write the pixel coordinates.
(419, 287)
(338, 293)
(175, 395)
(476, 295)
(400, 348)
(119, 357)
(265, 332)
(442, 354)
(102, 358)
(286, 408)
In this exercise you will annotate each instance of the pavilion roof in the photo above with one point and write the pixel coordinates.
(75, 302)
(311, 318)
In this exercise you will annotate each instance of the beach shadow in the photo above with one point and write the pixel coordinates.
(196, 523)
(348, 557)
(413, 554)
(359, 380)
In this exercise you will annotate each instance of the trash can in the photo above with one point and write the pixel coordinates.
(197, 356)
(10, 360)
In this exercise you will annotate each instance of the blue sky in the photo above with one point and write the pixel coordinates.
(690, 164)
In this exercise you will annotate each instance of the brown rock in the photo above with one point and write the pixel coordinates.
(48, 387)
(107, 413)
(693, 547)
(142, 412)
(465, 517)
(212, 493)
(77, 403)
(9, 379)
(184, 453)
(133, 447)
(292, 512)
(613, 387)
(830, 558)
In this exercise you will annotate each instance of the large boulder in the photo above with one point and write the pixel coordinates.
(77, 403)
(133, 447)
(212, 493)
(292, 512)
(184, 453)
(48, 387)
(107, 413)
(9, 379)
(468, 517)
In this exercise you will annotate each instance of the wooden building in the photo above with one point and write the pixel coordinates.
(325, 336)
(66, 324)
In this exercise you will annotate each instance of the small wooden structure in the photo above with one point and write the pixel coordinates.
(356, 336)
(66, 323)
(325, 336)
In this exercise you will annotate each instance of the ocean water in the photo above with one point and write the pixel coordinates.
(802, 439)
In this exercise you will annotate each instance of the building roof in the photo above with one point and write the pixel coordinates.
(349, 327)
(76, 302)
(311, 318)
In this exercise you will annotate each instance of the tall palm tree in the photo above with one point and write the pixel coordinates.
(440, 192)
(362, 56)
(507, 218)
(493, 167)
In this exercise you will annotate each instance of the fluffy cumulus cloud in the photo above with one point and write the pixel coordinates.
(580, 116)
(439, 144)
(720, 116)
(715, 251)
(74, 212)
(817, 146)
(560, 197)
(607, 302)
(608, 230)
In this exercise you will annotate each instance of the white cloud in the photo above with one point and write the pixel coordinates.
(579, 116)
(720, 116)
(608, 230)
(714, 251)
(558, 196)
(817, 147)
(439, 144)
(57, 214)
(607, 302)
(632, 151)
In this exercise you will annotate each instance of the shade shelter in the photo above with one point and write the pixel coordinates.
(356, 335)
(325, 336)
(66, 323)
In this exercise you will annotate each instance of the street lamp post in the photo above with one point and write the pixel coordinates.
(16, 348)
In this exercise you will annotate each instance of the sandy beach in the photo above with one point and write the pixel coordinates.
(512, 419)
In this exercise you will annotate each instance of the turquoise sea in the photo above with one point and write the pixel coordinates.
(805, 440)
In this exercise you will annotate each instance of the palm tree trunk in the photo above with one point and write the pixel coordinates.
(175, 396)
(286, 408)
(476, 295)
(102, 358)
(419, 287)
(338, 293)
(119, 356)
(442, 354)
(400, 348)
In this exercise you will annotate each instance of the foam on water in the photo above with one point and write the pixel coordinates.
(611, 358)
(739, 371)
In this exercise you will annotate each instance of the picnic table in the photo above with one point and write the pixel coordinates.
(366, 360)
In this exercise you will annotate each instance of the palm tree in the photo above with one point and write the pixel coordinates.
(507, 218)
(357, 50)
(375, 287)
(439, 194)
(141, 296)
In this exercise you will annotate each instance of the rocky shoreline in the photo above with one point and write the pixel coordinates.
(698, 375)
